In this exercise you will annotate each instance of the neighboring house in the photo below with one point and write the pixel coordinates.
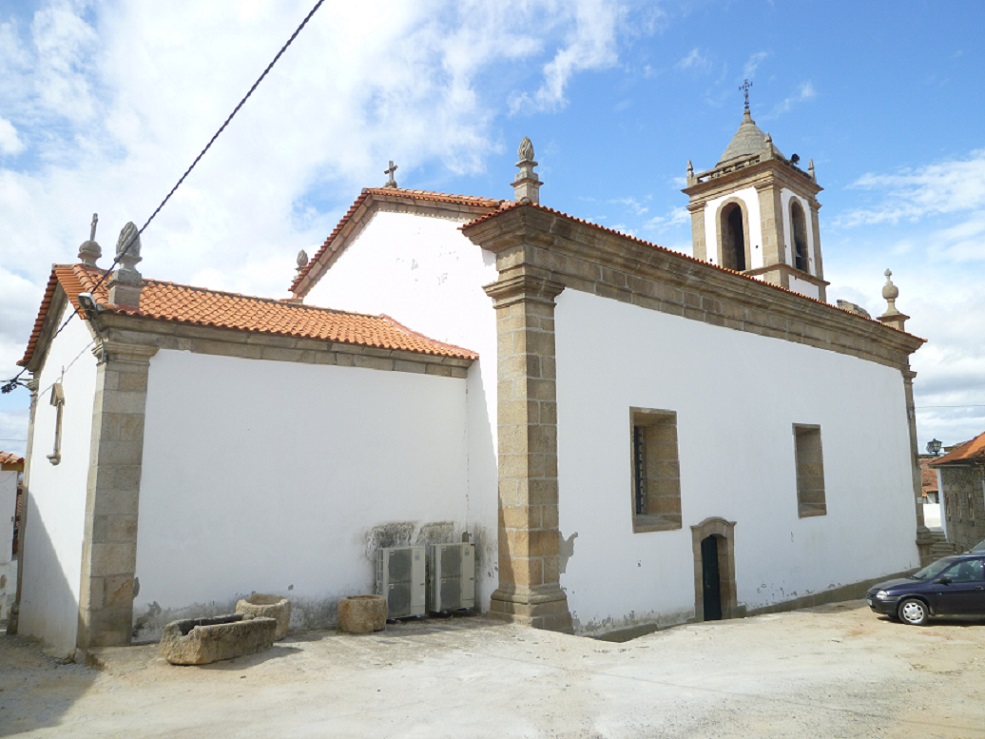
(631, 436)
(11, 467)
(962, 482)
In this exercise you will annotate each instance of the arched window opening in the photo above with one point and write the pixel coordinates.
(733, 238)
(799, 227)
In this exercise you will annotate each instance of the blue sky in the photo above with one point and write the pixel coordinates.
(104, 104)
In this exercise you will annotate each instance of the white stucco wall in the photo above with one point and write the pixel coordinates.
(8, 565)
(750, 200)
(8, 502)
(424, 273)
(269, 476)
(736, 396)
(57, 494)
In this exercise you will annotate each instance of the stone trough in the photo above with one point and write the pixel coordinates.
(271, 606)
(201, 641)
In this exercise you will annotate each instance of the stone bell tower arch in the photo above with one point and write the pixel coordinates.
(756, 212)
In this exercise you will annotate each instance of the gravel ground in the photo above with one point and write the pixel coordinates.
(833, 671)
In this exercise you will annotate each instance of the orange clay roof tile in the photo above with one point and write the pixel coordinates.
(970, 451)
(11, 459)
(476, 205)
(167, 301)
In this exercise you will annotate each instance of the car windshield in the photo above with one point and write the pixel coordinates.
(933, 570)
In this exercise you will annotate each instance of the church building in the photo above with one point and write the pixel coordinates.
(629, 435)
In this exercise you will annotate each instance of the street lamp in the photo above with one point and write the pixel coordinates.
(934, 447)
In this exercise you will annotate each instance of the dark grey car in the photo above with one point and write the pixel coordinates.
(952, 586)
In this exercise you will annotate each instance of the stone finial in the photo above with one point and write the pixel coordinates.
(302, 260)
(126, 282)
(391, 182)
(810, 170)
(768, 145)
(892, 317)
(90, 251)
(690, 172)
(526, 185)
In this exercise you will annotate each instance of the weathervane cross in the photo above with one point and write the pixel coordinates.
(393, 168)
(745, 88)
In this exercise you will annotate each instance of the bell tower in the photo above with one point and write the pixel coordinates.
(756, 212)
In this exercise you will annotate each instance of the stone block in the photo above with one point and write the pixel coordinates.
(362, 614)
(268, 606)
(201, 641)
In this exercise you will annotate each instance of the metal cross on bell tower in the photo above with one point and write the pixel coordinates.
(745, 88)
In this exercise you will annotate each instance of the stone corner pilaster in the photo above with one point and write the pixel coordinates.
(109, 550)
(529, 589)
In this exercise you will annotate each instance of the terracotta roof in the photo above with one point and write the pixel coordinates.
(11, 459)
(167, 301)
(928, 477)
(507, 206)
(473, 205)
(969, 451)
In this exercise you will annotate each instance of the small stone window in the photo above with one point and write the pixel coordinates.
(656, 492)
(810, 471)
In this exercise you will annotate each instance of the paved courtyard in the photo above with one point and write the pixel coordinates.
(832, 671)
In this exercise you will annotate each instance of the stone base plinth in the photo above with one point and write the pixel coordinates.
(549, 612)
(269, 606)
(362, 614)
(201, 641)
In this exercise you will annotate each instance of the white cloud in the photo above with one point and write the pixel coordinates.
(10, 142)
(805, 91)
(590, 43)
(752, 64)
(694, 60)
(950, 186)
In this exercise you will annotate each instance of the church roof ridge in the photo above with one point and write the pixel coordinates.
(197, 306)
(350, 217)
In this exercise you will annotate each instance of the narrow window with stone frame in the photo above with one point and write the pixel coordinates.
(810, 470)
(656, 490)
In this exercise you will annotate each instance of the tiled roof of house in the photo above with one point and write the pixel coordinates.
(970, 451)
(470, 205)
(11, 459)
(167, 301)
(507, 206)
(928, 477)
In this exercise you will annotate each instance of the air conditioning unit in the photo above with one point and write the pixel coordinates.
(400, 576)
(451, 569)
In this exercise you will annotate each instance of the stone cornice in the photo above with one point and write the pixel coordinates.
(586, 257)
(533, 285)
(123, 333)
(758, 175)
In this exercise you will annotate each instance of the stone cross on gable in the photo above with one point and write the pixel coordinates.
(393, 168)
(92, 228)
(745, 88)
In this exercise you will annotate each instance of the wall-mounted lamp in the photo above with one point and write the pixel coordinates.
(89, 305)
(934, 447)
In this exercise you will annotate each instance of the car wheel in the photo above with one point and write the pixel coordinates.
(913, 611)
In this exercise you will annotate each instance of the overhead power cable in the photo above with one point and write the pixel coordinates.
(14, 382)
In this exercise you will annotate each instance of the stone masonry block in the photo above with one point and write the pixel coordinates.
(113, 558)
